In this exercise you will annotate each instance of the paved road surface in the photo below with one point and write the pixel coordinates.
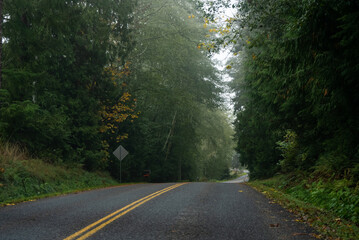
(241, 179)
(190, 211)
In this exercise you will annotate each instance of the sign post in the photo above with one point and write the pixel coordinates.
(120, 153)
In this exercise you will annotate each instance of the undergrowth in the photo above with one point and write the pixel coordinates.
(23, 178)
(328, 202)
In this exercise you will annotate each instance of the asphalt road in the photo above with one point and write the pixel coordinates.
(241, 179)
(190, 211)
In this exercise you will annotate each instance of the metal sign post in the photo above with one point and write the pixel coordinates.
(120, 153)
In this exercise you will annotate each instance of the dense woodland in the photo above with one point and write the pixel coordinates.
(296, 83)
(81, 77)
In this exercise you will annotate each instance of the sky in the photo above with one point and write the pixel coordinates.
(221, 60)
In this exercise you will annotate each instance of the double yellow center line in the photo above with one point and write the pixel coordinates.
(98, 225)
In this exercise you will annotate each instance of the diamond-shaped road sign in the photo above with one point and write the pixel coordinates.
(120, 153)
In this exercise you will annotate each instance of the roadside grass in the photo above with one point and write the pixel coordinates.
(330, 206)
(26, 179)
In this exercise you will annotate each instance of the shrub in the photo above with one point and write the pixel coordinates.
(290, 152)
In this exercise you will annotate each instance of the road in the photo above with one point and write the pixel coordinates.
(241, 179)
(154, 211)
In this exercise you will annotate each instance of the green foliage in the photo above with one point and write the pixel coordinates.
(74, 81)
(23, 178)
(53, 72)
(27, 124)
(328, 205)
(180, 131)
(4, 97)
(297, 70)
(292, 158)
(335, 195)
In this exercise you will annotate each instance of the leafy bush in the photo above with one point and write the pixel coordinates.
(22, 177)
(292, 157)
(43, 133)
(331, 194)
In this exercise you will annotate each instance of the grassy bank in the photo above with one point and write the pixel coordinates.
(328, 204)
(23, 178)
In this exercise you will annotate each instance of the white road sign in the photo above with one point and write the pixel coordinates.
(120, 153)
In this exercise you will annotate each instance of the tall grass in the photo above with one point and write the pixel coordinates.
(10, 152)
(23, 177)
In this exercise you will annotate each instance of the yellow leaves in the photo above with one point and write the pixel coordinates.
(200, 45)
(116, 73)
(325, 92)
(229, 67)
(121, 137)
(210, 46)
(224, 31)
(316, 236)
(230, 20)
(214, 30)
(221, 30)
(205, 25)
(125, 97)
(254, 57)
(191, 16)
(113, 116)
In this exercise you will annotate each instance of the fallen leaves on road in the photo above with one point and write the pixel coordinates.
(274, 225)
(300, 234)
(317, 236)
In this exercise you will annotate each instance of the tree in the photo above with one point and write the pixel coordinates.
(174, 83)
(56, 55)
(296, 73)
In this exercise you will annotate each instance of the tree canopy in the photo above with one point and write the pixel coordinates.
(81, 77)
(295, 70)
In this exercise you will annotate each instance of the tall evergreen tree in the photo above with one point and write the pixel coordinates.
(56, 52)
(297, 74)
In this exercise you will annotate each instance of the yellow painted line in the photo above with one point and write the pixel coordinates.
(116, 212)
(136, 203)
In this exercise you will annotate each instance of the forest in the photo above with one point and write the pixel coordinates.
(295, 66)
(80, 77)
